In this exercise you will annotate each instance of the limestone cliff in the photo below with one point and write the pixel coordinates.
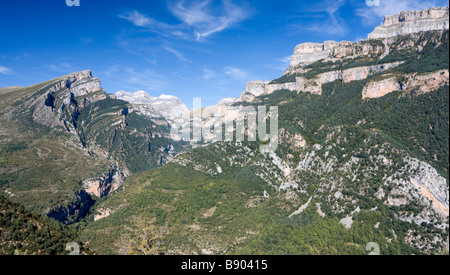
(315, 64)
(59, 102)
(314, 85)
(105, 184)
(308, 53)
(408, 22)
(167, 106)
(421, 83)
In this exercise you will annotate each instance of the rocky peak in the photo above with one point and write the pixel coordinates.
(405, 16)
(80, 83)
(167, 106)
(408, 22)
(308, 53)
(60, 100)
(226, 101)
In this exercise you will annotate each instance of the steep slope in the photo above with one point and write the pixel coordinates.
(350, 169)
(65, 142)
(23, 233)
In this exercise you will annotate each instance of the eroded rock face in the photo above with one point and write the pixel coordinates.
(408, 22)
(428, 82)
(80, 84)
(105, 184)
(308, 53)
(424, 183)
(252, 90)
(167, 106)
(54, 103)
(295, 142)
(314, 86)
(420, 83)
(381, 88)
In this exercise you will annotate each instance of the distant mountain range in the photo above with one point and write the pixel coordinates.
(169, 107)
(363, 157)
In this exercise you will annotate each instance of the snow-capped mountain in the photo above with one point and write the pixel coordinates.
(169, 107)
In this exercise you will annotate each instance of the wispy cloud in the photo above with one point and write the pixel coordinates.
(325, 18)
(200, 18)
(177, 53)
(208, 73)
(138, 19)
(374, 15)
(236, 73)
(280, 64)
(5, 70)
(133, 79)
(204, 19)
(285, 60)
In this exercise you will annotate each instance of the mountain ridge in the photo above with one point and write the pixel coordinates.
(363, 157)
(356, 163)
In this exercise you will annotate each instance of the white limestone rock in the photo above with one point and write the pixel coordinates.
(169, 107)
(408, 22)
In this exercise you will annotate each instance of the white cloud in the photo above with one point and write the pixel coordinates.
(285, 60)
(140, 20)
(206, 21)
(5, 70)
(177, 53)
(375, 15)
(137, 19)
(146, 78)
(199, 16)
(330, 22)
(236, 73)
(129, 79)
(208, 74)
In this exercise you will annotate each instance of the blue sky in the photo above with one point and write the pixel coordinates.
(195, 48)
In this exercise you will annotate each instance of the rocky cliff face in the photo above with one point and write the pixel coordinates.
(391, 36)
(167, 106)
(314, 85)
(421, 83)
(58, 103)
(408, 22)
(308, 53)
(252, 90)
(105, 184)
(73, 132)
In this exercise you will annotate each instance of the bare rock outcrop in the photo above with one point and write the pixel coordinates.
(314, 85)
(381, 88)
(420, 83)
(408, 22)
(252, 90)
(166, 106)
(308, 53)
(62, 98)
(105, 184)
(80, 84)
